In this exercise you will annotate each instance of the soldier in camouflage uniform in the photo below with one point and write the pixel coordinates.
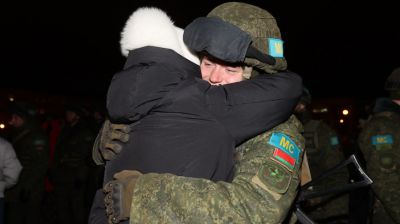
(267, 172)
(323, 152)
(70, 169)
(23, 201)
(263, 189)
(380, 141)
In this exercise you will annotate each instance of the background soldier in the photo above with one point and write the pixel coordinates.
(379, 141)
(23, 201)
(70, 168)
(323, 152)
(265, 184)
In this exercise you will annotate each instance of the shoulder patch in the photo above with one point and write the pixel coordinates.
(275, 47)
(286, 151)
(334, 140)
(274, 177)
(382, 139)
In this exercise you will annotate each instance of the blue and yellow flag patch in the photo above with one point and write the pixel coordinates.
(382, 139)
(286, 151)
(275, 47)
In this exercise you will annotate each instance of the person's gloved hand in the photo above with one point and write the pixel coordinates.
(118, 195)
(108, 142)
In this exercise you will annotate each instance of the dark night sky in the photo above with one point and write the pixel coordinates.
(70, 47)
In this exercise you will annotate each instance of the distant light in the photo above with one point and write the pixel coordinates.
(345, 112)
(2, 126)
(11, 99)
(341, 121)
(321, 110)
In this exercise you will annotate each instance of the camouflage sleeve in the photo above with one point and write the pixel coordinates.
(364, 139)
(264, 187)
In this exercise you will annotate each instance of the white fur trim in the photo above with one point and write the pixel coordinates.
(149, 27)
(188, 54)
(153, 27)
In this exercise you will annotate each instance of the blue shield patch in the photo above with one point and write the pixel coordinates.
(275, 47)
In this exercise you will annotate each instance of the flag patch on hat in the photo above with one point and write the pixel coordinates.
(275, 47)
(382, 139)
(286, 151)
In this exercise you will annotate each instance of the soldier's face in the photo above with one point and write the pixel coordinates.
(16, 121)
(217, 73)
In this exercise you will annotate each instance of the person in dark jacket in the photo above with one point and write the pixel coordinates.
(69, 172)
(180, 123)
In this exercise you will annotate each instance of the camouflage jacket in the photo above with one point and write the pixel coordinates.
(380, 143)
(323, 152)
(264, 187)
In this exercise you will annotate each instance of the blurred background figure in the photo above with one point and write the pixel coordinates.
(10, 168)
(379, 141)
(23, 201)
(323, 152)
(96, 117)
(70, 169)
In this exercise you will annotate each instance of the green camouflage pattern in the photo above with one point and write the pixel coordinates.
(259, 23)
(382, 159)
(262, 191)
(323, 152)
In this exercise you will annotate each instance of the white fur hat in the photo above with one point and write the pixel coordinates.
(153, 27)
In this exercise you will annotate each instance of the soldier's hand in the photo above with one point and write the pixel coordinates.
(118, 195)
(108, 142)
